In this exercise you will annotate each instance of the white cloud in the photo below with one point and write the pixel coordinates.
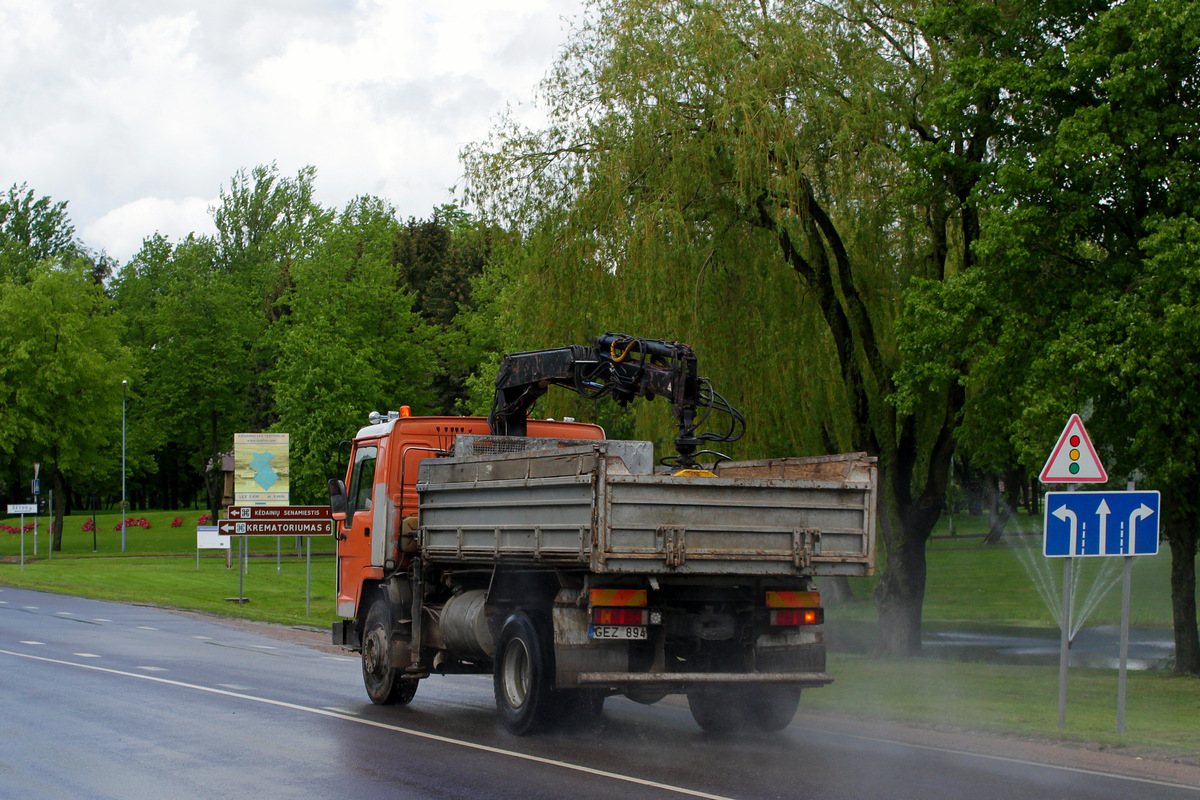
(130, 111)
(125, 228)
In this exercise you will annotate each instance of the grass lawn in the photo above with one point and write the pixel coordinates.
(159, 566)
(968, 582)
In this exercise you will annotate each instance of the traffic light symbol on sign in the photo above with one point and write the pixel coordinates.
(1073, 459)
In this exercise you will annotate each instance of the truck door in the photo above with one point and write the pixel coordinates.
(358, 529)
(369, 508)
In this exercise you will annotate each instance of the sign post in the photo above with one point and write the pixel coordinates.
(1094, 524)
(306, 521)
(22, 509)
(1073, 460)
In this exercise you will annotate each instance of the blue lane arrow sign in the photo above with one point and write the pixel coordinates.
(1100, 524)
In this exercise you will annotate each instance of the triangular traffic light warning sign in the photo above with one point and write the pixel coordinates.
(1073, 459)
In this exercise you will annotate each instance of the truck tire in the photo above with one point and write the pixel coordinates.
(725, 709)
(771, 708)
(715, 708)
(523, 672)
(386, 685)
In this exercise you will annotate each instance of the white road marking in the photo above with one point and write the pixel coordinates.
(97, 619)
(323, 712)
(63, 613)
(87, 655)
(146, 628)
(327, 712)
(154, 669)
(30, 642)
(236, 687)
(203, 638)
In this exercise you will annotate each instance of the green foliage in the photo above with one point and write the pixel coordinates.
(31, 231)
(352, 343)
(1085, 295)
(762, 181)
(61, 366)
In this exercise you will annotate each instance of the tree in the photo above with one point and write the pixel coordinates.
(199, 315)
(802, 161)
(31, 232)
(1085, 295)
(195, 329)
(352, 343)
(61, 366)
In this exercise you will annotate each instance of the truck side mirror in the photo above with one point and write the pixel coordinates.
(337, 498)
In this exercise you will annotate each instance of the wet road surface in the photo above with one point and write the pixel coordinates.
(102, 700)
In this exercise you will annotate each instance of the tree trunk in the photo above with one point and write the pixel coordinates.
(905, 524)
(213, 478)
(60, 498)
(1181, 534)
(901, 594)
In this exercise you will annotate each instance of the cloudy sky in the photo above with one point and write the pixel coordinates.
(137, 112)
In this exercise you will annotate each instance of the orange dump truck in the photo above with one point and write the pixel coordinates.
(570, 567)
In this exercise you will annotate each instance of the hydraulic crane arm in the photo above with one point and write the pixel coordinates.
(623, 367)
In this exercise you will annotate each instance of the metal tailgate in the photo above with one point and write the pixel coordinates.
(737, 526)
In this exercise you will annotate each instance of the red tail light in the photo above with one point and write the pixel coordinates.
(791, 617)
(620, 616)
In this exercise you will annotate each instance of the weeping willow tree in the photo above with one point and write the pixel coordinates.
(762, 180)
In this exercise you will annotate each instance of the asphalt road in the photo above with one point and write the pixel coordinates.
(102, 700)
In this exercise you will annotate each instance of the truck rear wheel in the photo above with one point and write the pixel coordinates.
(386, 685)
(523, 674)
(724, 709)
(771, 708)
(715, 708)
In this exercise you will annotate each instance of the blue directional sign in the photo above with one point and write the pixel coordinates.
(1101, 524)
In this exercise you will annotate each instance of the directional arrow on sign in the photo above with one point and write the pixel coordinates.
(1064, 513)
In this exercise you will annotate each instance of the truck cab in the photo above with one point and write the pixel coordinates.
(379, 494)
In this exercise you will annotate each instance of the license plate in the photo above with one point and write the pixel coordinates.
(618, 632)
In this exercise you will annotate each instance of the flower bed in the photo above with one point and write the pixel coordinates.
(133, 522)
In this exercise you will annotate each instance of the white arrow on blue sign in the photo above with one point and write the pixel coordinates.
(1100, 524)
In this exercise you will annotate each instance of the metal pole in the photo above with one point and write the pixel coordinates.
(1127, 579)
(308, 577)
(22, 543)
(124, 510)
(92, 492)
(243, 546)
(50, 545)
(1064, 645)
(278, 555)
(1064, 642)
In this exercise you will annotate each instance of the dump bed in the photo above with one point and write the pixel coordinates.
(581, 506)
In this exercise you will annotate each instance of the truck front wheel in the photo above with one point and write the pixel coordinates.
(523, 673)
(386, 685)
